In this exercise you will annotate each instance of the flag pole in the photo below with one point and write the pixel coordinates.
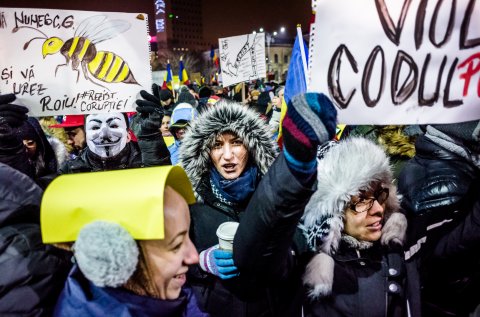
(302, 52)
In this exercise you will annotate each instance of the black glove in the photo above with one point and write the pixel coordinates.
(14, 115)
(150, 110)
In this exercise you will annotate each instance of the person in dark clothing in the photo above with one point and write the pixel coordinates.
(23, 144)
(12, 150)
(32, 274)
(39, 151)
(203, 94)
(225, 152)
(124, 267)
(440, 186)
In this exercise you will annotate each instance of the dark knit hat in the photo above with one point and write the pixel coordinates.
(165, 94)
(204, 92)
(186, 97)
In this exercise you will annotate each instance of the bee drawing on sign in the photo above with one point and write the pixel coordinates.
(80, 50)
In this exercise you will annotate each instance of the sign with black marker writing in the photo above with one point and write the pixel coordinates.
(398, 61)
(242, 58)
(73, 62)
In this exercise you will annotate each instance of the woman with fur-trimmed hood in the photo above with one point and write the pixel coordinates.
(354, 226)
(225, 153)
(355, 232)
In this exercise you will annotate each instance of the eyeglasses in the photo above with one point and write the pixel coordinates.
(364, 204)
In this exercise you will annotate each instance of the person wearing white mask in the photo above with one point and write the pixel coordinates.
(109, 147)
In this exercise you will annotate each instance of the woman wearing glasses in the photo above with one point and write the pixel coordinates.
(354, 231)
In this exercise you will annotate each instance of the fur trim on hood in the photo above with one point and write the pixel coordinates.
(352, 165)
(59, 149)
(226, 116)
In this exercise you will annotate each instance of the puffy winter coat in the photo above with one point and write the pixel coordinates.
(32, 274)
(439, 190)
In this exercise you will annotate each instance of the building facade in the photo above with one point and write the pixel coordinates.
(278, 61)
(179, 25)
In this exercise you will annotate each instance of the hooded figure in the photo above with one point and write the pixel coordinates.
(353, 223)
(39, 150)
(225, 153)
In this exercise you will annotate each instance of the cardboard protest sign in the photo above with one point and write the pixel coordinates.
(73, 62)
(397, 62)
(242, 58)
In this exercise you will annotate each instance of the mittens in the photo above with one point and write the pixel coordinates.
(310, 120)
(218, 262)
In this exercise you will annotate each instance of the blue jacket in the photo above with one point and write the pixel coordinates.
(174, 152)
(81, 298)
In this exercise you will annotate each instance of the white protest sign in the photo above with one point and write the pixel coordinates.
(242, 58)
(73, 62)
(398, 61)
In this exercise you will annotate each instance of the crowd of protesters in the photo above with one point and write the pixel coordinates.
(382, 221)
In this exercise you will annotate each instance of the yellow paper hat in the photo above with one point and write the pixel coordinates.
(133, 198)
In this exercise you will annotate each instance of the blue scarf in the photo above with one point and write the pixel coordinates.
(235, 190)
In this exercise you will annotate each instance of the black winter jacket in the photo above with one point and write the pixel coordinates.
(148, 152)
(88, 161)
(439, 191)
(275, 257)
(32, 274)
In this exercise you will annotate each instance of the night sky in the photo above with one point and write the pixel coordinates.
(223, 18)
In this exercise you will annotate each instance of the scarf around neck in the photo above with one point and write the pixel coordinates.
(234, 191)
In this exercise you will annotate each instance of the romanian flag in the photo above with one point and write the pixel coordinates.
(167, 79)
(214, 57)
(182, 74)
(296, 78)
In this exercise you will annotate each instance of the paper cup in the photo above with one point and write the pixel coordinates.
(226, 233)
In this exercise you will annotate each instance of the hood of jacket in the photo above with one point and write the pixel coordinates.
(44, 148)
(226, 116)
(21, 197)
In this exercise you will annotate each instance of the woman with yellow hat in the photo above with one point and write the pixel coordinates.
(131, 245)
